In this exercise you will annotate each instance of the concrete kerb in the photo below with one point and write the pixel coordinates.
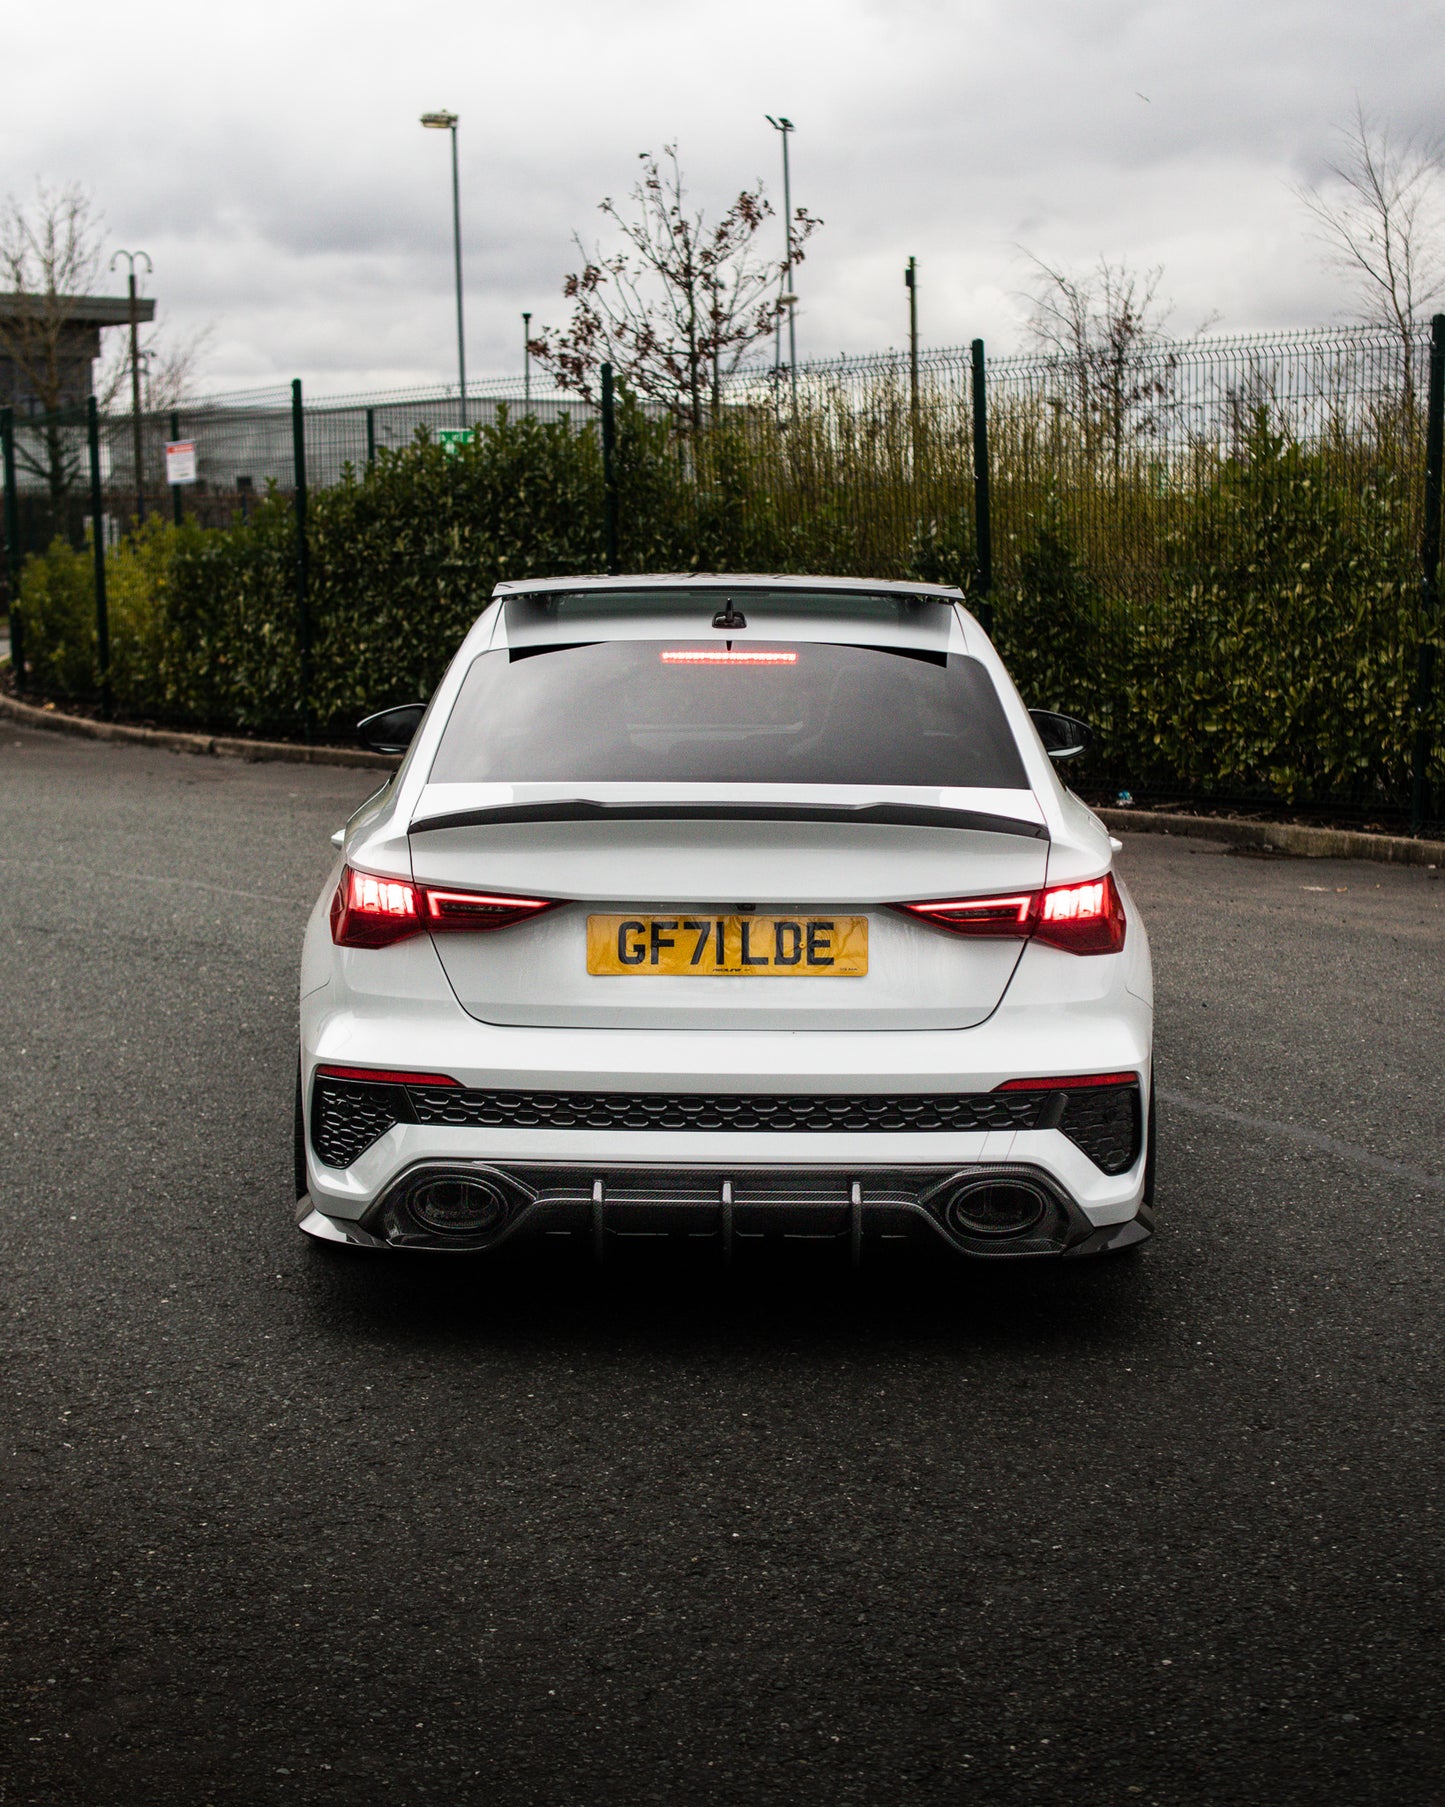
(1279, 837)
(217, 746)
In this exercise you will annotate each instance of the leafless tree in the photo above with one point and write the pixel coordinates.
(1106, 329)
(170, 362)
(51, 252)
(677, 307)
(1381, 217)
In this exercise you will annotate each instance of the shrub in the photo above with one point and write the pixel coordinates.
(1248, 623)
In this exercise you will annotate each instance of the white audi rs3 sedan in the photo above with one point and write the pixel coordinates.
(726, 908)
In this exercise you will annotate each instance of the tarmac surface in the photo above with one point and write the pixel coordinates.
(279, 1524)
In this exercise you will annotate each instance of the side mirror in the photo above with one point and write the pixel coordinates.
(1064, 736)
(391, 730)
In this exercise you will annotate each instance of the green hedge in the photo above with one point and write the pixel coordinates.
(1268, 644)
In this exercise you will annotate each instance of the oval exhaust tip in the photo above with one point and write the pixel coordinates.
(984, 1207)
(457, 1205)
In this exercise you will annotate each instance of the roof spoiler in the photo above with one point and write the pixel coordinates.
(892, 815)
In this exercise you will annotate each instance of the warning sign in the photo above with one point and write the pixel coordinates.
(180, 461)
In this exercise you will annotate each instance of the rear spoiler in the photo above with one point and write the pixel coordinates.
(890, 815)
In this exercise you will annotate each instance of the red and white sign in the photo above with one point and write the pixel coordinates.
(180, 461)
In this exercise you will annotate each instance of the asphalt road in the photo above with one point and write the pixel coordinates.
(284, 1527)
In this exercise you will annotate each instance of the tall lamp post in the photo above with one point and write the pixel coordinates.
(140, 494)
(447, 122)
(787, 297)
(527, 357)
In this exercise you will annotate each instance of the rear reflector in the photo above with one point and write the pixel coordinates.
(1080, 919)
(385, 1076)
(715, 656)
(1077, 1082)
(368, 911)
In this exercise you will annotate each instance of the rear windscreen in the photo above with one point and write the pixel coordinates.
(695, 711)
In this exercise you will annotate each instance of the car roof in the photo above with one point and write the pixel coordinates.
(705, 580)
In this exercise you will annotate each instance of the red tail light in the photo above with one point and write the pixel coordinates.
(994, 917)
(1081, 919)
(374, 912)
(477, 910)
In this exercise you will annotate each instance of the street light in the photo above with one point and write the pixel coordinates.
(787, 297)
(135, 355)
(447, 122)
(527, 357)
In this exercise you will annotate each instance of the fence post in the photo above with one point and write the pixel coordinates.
(370, 437)
(1429, 576)
(910, 282)
(12, 546)
(303, 568)
(609, 469)
(178, 513)
(97, 541)
(982, 522)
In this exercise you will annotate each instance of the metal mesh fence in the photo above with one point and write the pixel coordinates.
(244, 446)
(1153, 508)
(1115, 446)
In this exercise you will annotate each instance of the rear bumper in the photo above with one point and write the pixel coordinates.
(1062, 1015)
(731, 1206)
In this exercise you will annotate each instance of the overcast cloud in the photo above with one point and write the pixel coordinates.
(269, 158)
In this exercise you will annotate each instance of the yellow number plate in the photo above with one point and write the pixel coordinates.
(763, 947)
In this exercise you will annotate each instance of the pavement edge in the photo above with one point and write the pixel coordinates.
(1280, 837)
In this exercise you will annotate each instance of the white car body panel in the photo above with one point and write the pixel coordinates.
(515, 1010)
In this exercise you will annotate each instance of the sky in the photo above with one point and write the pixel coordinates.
(269, 158)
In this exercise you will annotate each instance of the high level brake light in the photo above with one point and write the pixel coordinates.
(375, 912)
(718, 656)
(1080, 919)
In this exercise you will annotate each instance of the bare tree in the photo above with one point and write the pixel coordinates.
(677, 307)
(1106, 329)
(170, 362)
(51, 252)
(1381, 216)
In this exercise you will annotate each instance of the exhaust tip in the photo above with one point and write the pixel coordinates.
(987, 1207)
(457, 1205)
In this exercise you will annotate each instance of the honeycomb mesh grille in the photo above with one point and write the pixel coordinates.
(1104, 1123)
(782, 1113)
(348, 1116)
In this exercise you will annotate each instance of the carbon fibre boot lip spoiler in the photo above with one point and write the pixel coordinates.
(888, 815)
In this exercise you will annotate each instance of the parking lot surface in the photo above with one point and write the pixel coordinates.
(286, 1526)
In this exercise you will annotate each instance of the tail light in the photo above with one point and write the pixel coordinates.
(1081, 919)
(374, 912)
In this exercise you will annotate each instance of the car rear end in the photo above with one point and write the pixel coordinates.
(726, 909)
